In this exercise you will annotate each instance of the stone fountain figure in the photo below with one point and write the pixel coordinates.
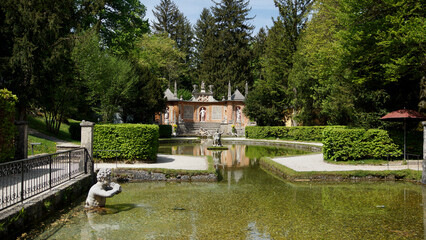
(103, 189)
(217, 141)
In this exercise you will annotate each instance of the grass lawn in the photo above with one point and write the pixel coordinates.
(45, 147)
(39, 124)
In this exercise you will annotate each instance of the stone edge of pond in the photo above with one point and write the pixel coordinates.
(168, 175)
(288, 174)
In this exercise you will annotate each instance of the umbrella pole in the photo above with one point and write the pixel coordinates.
(405, 139)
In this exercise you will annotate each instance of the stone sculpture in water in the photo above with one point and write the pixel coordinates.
(217, 141)
(103, 189)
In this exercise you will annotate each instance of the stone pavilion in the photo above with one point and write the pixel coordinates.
(203, 113)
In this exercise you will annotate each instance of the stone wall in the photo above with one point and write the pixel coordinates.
(125, 175)
(22, 217)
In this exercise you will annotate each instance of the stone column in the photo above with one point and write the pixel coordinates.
(424, 154)
(21, 140)
(87, 136)
(87, 142)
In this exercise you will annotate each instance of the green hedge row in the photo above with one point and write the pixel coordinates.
(165, 131)
(7, 126)
(357, 144)
(133, 141)
(303, 133)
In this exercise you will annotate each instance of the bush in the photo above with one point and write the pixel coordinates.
(165, 131)
(7, 126)
(303, 133)
(75, 130)
(133, 141)
(357, 144)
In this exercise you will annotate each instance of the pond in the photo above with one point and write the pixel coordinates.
(250, 203)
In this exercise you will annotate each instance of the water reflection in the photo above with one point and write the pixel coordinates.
(236, 156)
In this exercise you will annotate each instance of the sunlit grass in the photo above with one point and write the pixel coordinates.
(46, 146)
(39, 124)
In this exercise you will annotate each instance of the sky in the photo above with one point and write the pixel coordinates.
(262, 10)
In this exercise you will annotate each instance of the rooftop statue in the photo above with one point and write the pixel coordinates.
(103, 189)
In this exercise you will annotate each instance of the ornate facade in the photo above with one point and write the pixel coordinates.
(203, 111)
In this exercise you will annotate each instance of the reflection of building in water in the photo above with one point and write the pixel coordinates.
(235, 156)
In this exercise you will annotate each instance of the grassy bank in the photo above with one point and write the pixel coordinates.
(46, 146)
(289, 174)
(39, 124)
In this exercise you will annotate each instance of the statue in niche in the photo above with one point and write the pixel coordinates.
(238, 115)
(166, 116)
(103, 189)
(202, 115)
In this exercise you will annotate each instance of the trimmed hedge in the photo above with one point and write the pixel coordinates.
(165, 131)
(7, 126)
(303, 133)
(133, 141)
(357, 144)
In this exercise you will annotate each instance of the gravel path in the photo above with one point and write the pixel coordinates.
(315, 162)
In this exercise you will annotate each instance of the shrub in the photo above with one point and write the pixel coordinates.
(7, 126)
(357, 144)
(165, 131)
(303, 133)
(75, 130)
(133, 141)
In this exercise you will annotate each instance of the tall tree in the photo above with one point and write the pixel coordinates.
(156, 59)
(259, 49)
(281, 44)
(173, 22)
(36, 58)
(107, 77)
(233, 35)
(205, 37)
(120, 23)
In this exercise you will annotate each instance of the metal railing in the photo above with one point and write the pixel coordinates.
(22, 179)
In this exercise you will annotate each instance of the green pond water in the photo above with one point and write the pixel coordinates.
(249, 203)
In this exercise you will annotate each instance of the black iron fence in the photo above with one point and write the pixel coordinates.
(22, 179)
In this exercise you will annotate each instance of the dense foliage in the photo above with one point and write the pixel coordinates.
(358, 144)
(126, 142)
(7, 126)
(333, 62)
(358, 60)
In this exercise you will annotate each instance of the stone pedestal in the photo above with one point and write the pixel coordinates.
(21, 140)
(424, 154)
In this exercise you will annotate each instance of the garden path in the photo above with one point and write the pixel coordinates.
(315, 162)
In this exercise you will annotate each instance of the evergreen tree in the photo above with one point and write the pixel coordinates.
(171, 21)
(259, 50)
(36, 56)
(233, 54)
(205, 53)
